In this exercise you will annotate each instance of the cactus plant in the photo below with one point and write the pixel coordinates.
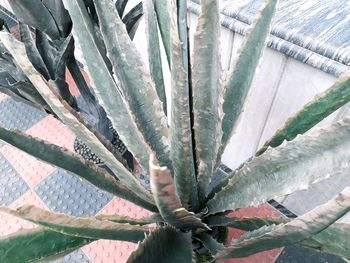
(180, 158)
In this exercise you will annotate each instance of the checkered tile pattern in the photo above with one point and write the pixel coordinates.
(26, 180)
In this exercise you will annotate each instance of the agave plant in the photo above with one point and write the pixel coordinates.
(182, 157)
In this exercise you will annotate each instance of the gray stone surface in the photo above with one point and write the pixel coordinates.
(12, 185)
(17, 115)
(65, 193)
(75, 257)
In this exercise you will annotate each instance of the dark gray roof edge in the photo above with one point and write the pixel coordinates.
(239, 23)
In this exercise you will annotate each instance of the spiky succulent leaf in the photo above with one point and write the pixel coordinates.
(239, 81)
(175, 247)
(210, 243)
(54, 57)
(60, 15)
(143, 102)
(164, 21)
(37, 244)
(71, 162)
(14, 83)
(120, 5)
(181, 134)
(292, 166)
(334, 240)
(132, 19)
(72, 120)
(205, 82)
(292, 232)
(154, 56)
(155, 218)
(168, 203)
(54, 54)
(35, 14)
(312, 113)
(107, 90)
(246, 224)
(32, 51)
(88, 227)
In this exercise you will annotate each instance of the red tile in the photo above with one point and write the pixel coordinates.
(268, 256)
(2, 96)
(72, 86)
(29, 198)
(108, 251)
(53, 131)
(31, 169)
(10, 224)
(122, 207)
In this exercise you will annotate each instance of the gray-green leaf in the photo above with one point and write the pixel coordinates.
(88, 227)
(312, 113)
(164, 245)
(292, 232)
(333, 240)
(163, 18)
(243, 68)
(37, 244)
(154, 56)
(107, 91)
(205, 82)
(181, 137)
(168, 202)
(136, 83)
(292, 166)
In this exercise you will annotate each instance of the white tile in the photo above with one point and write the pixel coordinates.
(299, 85)
(245, 139)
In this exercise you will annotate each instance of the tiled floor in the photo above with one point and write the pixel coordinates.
(25, 180)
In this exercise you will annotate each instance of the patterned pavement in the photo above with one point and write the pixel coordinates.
(26, 180)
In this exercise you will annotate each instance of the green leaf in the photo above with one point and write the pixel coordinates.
(32, 52)
(154, 56)
(292, 232)
(291, 167)
(168, 202)
(107, 91)
(155, 218)
(210, 243)
(88, 227)
(35, 14)
(132, 19)
(37, 244)
(206, 70)
(181, 139)
(71, 162)
(136, 86)
(246, 224)
(14, 83)
(163, 18)
(239, 81)
(312, 113)
(334, 240)
(164, 244)
(72, 120)
(60, 15)
(120, 5)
